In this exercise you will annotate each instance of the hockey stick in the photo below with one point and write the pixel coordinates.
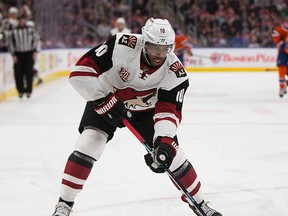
(190, 199)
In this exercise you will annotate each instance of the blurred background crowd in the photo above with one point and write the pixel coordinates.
(207, 23)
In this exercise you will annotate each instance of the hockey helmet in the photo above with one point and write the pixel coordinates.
(13, 10)
(158, 37)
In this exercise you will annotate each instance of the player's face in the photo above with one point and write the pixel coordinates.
(157, 53)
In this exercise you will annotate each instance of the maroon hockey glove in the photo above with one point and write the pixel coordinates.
(112, 110)
(165, 149)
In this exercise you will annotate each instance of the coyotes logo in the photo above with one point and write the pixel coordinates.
(128, 40)
(178, 69)
(143, 75)
(136, 100)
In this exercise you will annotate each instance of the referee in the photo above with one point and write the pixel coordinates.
(23, 44)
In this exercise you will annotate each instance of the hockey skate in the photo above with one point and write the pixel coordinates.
(62, 209)
(282, 91)
(283, 88)
(206, 209)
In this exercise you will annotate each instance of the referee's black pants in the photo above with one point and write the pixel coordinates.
(23, 72)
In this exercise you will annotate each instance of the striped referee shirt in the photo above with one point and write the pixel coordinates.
(23, 39)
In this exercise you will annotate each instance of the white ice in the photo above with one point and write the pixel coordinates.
(234, 131)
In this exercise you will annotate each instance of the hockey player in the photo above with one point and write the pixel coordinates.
(182, 46)
(6, 26)
(120, 27)
(280, 38)
(137, 77)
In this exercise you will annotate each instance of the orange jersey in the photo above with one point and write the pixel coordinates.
(181, 43)
(280, 34)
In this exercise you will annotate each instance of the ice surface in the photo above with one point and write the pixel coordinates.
(234, 131)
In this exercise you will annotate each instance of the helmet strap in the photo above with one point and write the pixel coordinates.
(146, 58)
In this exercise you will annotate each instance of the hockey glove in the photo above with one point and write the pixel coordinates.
(165, 149)
(112, 110)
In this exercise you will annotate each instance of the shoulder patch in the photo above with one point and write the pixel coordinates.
(128, 40)
(178, 69)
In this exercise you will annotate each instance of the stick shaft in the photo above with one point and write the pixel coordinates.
(183, 190)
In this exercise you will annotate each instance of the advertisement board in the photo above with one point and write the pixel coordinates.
(231, 59)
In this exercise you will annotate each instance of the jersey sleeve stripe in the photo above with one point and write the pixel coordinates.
(166, 116)
(80, 73)
(83, 71)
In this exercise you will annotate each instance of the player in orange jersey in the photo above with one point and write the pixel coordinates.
(280, 38)
(182, 46)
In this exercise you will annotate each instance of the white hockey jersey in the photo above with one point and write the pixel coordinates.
(118, 66)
